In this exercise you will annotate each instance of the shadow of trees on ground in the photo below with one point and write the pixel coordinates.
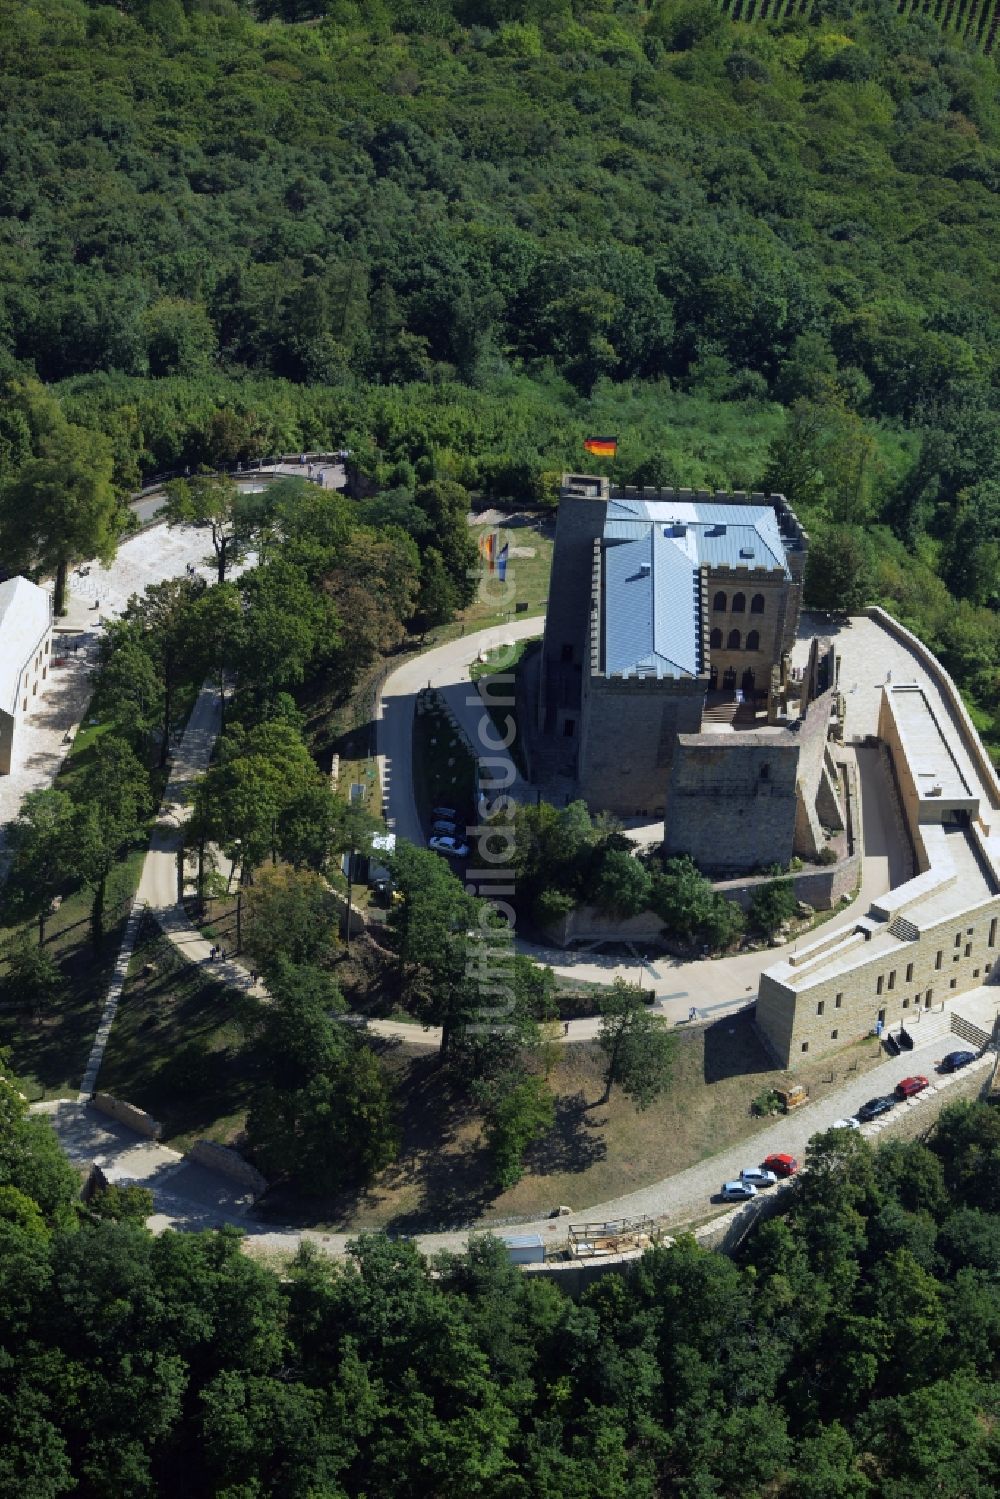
(572, 1144)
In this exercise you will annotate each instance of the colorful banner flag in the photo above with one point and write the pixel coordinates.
(487, 549)
(502, 556)
(601, 447)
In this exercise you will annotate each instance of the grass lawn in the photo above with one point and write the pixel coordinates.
(51, 1053)
(527, 583)
(176, 1048)
(502, 698)
(592, 1155)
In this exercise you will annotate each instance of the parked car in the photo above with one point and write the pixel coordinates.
(956, 1059)
(441, 825)
(448, 813)
(758, 1176)
(453, 847)
(780, 1164)
(910, 1086)
(851, 1123)
(875, 1107)
(738, 1191)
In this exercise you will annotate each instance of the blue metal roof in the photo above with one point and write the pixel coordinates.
(652, 552)
(650, 608)
(716, 535)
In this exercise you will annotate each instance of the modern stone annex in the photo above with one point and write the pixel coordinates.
(25, 645)
(664, 686)
(934, 937)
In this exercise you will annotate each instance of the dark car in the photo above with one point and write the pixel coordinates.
(876, 1107)
(956, 1059)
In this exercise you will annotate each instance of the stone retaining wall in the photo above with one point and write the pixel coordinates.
(229, 1163)
(127, 1113)
(821, 888)
(970, 738)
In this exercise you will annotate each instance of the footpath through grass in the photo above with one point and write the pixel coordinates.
(178, 1048)
(50, 1052)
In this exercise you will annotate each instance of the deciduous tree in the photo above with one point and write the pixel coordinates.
(639, 1048)
(62, 507)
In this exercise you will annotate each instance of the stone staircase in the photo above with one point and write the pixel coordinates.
(931, 1025)
(967, 1030)
(935, 1025)
(719, 715)
(904, 929)
(726, 712)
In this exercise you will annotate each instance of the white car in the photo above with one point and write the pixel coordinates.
(738, 1191)
(851, 1123)
(450, 846)
(758, 1176)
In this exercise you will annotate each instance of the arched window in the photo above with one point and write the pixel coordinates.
(753, 641)
(734, 640)
(757, 604)
(719, 603)
(739, 603)
(715, 640)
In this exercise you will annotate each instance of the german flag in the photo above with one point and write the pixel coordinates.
(601, 447)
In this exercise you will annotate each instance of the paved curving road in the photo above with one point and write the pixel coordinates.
(187, 1197)
(446, 667)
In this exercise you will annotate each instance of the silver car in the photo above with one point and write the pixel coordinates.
(450, 846)
(758, 1176)
(740, 1191)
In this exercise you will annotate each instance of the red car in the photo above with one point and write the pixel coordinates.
(909, 1086)
(781, 1165)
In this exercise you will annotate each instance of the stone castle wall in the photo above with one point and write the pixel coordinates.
(630, 729)
(731, 800)
(565, 647)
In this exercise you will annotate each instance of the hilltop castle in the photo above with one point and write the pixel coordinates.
(664, 679)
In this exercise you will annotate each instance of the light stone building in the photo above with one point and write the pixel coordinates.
(25, 654)
(932, 938)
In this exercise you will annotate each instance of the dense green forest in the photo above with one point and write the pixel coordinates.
(851, 1353)
(456, 235)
